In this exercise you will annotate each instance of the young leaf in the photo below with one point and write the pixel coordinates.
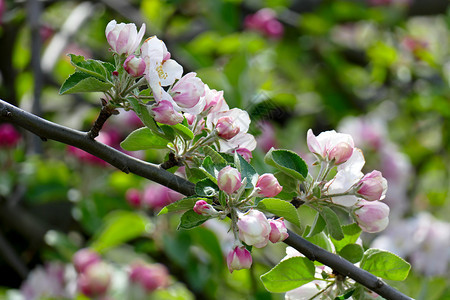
(321, 240)
(143, 114)
(352, 252)
(92, 67)
(333, 223)
(83, 83)
(287, 161)
(288, 183)
(183, 204)
(246, 170)
(318, 225)
(351, 235)
(289, 274)
(206, 188)
(280, 208)
(182, 130)
(385, 264)
(194, 175)
(191, 219)
(142, 139)
(215, 156)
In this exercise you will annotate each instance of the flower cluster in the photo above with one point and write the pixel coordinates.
(176, 98)
(250, 226)
(349, 188)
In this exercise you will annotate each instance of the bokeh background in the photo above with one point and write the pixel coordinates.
(377, 69)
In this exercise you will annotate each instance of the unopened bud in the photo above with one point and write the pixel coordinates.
(203, 208)
(150, 277)
(83, 258)
(371, 216)
(373, 186)
(164, 113)
(254, 229)
(226, 128)
(229, 180)
(135, 66)
(340, 153)
(239, 258)
(94, 282)
(268, 185)
(278, 231)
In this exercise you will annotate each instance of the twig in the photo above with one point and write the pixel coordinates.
(106, 112)
(47, 129)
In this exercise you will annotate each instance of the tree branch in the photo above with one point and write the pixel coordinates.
(48, 130)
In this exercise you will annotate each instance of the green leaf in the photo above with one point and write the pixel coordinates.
(333, 223)
(385, 264)
(287, 161)
(96, 68)
(351, 235)
(119, 227)
(210, 169)
(142, 139)
(246, 170)
(215, 156)
(191, 219)
(183, 204)
(280, 208)
(222, 198)
(321, 240)
(318, 225)
(206, 188)
(143, 114)
(169, 132)
(352, 252)
(289, 274)
(83, 83)
(288, 183)
(182, 130)
(194, 175)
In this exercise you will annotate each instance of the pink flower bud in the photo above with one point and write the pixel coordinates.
(83, 258)
(150, 277)
(135, 66)
(203, 208)
(254, 229)
(278, 232)
(9, 136)
(188, 90)
(94, 282)
(373, 186)
(371, 216)
(229, 180)
(124, 38)
(340, 153)
(226, 128)
(268, 185)
(214, 101)
(134, 198)
(239, 258)
(165, 114)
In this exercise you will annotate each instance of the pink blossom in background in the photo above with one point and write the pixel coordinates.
(149, 276)
(83, 156)
(83, 258)
(157, 196)
(9, 136)
(95, 280)
(134, 197)
(265, 22)
(266, 140)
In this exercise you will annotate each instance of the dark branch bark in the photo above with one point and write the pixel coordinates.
(49, 130)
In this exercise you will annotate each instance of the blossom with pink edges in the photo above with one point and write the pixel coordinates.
(331, 145)
(164, 113)
(254, 228)
(265, 21)
(214, 101)
(278, 230)
(268, 185)
(83, 258)
(372, 186)
(124, 38)
(188, 91)
(371, 216)
(95, 280)
(157, 196)
(239, 258)
(229, 180)
(226, 128)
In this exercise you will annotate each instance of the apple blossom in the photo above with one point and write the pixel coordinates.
(254, 229)
(135, 66)
(371, 216)
(226, 128)
(229, 180)
(214, 101)
(239, 258)
(188, 90)
(9, 136)
(149, 277)
(83, 258)
(95, 280)
(134, 197)
(268, 185)
(278, 231)
(124, 38)
(373, 186)
(164, 113)
(245, 153)
(203, 208)
(157, 196)
(331, 145)
(160, 69)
